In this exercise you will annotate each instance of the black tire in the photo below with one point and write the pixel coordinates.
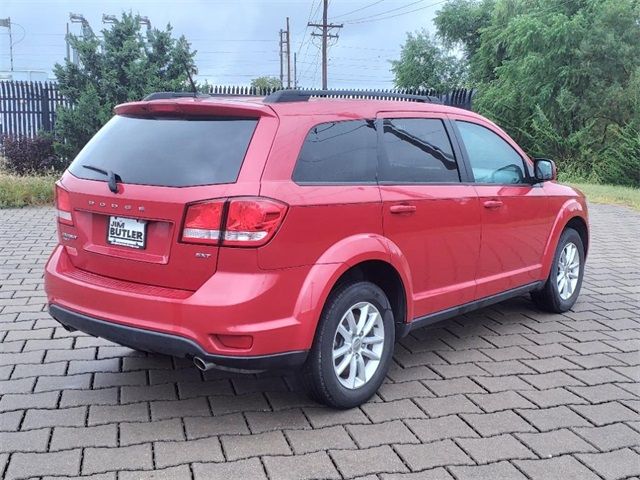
(548, 298)
(318, 375)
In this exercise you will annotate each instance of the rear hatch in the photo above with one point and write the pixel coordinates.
(130, 187)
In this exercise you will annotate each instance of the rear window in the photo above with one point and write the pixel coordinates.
(338, 152)
(167, 152)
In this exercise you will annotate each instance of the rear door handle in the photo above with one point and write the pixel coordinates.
(402, 208)
(493, 204)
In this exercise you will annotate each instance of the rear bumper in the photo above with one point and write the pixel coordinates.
(235, 301)
(174, 345)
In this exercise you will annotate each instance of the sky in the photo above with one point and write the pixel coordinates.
(236, 40)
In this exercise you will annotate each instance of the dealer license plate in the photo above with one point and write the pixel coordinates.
(127, 232)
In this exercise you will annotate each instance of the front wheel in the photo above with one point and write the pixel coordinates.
(562, 288)
(353, 347)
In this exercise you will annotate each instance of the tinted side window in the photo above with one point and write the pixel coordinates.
(338, 152)
(492, 159)
(418, 150)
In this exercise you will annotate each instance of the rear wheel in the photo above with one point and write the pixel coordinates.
(562, 288)
(353, 347)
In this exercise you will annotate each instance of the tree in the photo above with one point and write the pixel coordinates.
(459, 23)
(266, 83)
(121, 67)
(424, 63)
(564, 79)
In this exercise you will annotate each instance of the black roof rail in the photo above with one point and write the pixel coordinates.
(166, 95)
(294, 95)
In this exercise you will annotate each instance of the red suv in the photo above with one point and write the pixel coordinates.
(301, 231)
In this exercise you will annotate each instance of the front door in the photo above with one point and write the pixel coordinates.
(428, 213)
(516, 220)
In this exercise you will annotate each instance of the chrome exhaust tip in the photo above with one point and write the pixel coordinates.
(201, 364)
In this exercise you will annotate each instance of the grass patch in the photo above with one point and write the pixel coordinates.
(21, 191)
(611, 194)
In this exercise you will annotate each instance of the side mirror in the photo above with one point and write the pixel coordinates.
(544, 169)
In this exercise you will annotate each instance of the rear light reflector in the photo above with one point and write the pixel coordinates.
(63, 205)
(244, 342)
(248, 221)
(202, 222)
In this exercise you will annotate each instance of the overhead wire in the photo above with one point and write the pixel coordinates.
(357, 9)
(380, 16)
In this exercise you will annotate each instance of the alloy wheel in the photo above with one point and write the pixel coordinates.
(568, 271)
(357, 345)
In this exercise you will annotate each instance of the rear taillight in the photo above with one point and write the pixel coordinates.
(63, 205)
(202, 222)
(252, 221)
(248, 221)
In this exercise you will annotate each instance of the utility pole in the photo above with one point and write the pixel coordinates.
(66, 39)
(112, 19)
(6, 22)
(325, 28)
(87, 32)
(145, 21)
(285, 52)
(295, 70)
(281, 58)
(288, 55)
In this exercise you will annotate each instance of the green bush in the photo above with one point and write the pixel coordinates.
(24, 155)
(619, 162)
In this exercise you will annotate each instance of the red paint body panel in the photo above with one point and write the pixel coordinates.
(441, 249)
(447, 247)
(513, 237)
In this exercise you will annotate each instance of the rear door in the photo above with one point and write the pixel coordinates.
(428, 212)
(161, 164)
(516, 219)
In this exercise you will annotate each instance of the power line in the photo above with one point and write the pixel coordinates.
(381, 16)
(388, 11)
(307, 41)
(306, 26)
(309, 65)
(357, 9)
(315, 70)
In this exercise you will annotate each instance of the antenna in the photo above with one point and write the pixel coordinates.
(193, 85)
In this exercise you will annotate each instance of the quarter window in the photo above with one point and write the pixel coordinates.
(418, 150)
(492, 159)
(338, 152)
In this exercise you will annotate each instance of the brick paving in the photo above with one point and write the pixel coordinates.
(506, 392)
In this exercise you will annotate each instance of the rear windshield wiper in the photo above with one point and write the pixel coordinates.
(112, 177)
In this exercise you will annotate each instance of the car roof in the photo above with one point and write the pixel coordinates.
(238, 105)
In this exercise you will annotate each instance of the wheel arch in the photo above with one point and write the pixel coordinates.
(385, 276)
(580, 226)
(376, 264)
(572, 214)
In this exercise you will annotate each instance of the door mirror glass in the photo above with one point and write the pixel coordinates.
(545, 169)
